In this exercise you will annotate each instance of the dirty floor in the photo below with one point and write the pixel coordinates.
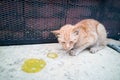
(104, 65)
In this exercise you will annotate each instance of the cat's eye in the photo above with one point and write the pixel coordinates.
(63, 42)
(71, 42)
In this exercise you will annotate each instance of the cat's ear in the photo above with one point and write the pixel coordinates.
(76, 31)
(56, 32)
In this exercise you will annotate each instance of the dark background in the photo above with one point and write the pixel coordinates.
(30, 21)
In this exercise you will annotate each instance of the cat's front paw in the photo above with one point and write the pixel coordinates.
(73, 52)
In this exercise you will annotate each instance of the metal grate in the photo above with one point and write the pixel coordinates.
(30, 21)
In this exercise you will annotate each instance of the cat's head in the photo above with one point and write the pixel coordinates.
(67, 36)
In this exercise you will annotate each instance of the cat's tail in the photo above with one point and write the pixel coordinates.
(113, 42)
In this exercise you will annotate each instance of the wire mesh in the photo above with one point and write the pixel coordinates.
(30, 21)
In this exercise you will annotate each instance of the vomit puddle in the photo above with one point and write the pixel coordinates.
(52, 55)
(33, 65)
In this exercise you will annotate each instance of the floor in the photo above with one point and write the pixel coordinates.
(104, 65)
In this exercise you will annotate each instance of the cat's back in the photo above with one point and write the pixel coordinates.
(88, 22)
(88, 25)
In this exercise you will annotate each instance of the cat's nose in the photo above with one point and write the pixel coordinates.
(67, 47)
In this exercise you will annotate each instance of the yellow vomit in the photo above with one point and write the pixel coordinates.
(52, 55)
(33, 65)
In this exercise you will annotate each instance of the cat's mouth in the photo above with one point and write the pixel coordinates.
(69, 50)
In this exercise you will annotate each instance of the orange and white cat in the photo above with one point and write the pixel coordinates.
(87, 33)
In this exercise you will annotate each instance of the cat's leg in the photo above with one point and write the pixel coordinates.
(76, 51)
(98, 46)
(101, 42)
(89, 41)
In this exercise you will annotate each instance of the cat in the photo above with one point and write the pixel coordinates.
(87, 33)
